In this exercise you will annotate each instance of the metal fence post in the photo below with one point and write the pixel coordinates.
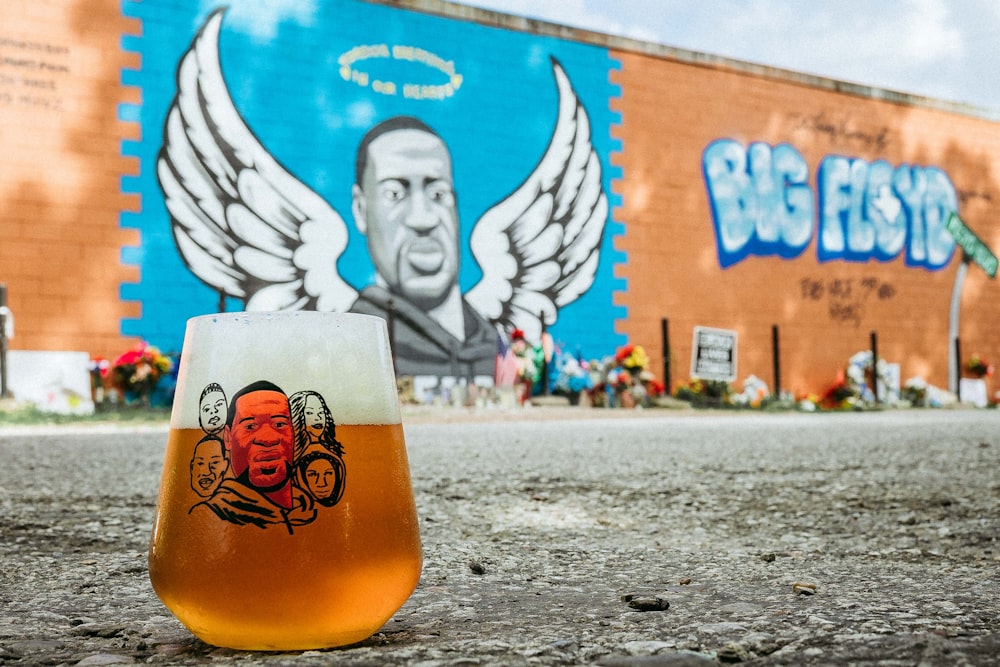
(958, 369)
(545, 362)
(776, 357)
(665, 340)
(874, 339)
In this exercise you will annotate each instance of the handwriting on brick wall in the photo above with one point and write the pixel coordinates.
(846, 298)
(31, 73)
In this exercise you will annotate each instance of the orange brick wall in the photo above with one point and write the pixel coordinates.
(61, 165)
(61, 204)
(671, 112)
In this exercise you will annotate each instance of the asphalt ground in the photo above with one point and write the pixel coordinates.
(570, 537)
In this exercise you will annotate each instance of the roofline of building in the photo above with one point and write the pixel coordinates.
(546, 29)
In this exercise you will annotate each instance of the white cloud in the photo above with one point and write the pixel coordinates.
(928, 35)
(939, 48)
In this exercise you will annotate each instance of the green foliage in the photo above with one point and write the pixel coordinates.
(706, 393)
(29, 415)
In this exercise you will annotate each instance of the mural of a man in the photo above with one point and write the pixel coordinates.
(250, 229)
(259, 440)
(404, 202)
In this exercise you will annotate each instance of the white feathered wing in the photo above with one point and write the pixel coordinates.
(539, 248)
(243, 224)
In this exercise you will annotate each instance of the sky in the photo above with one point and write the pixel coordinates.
(944, 49)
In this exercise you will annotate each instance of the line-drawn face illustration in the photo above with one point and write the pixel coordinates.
(322, 476)
(313, 424)
(212, 409)
(208, 465)
(260, 439)
(404, 202)
(315, 417)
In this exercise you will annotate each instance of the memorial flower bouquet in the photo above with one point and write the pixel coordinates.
(620, 380)
(632, 357)
(620, 385)
(978, 367)
(915, 391)
(573, 377)
(705, 392)
(630, 379)
(138, 370)
(841, 395)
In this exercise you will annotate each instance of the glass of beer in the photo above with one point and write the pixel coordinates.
(285, 518)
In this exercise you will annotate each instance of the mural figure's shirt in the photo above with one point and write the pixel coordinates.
(238, 503)
(424, 347)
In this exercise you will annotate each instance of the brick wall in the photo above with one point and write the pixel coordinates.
(90, 262)
(825, 311)
(60, 251)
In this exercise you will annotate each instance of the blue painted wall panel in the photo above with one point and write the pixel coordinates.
(285, 80)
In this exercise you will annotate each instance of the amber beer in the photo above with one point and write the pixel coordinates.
(329, 549)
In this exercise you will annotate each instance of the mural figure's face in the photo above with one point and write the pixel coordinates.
(406, 207)
(315, 417)
(260, 439)
(208, 466)
(320, 478)
(212, 412)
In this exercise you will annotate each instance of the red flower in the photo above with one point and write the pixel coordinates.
(623, 353)
(131, 357)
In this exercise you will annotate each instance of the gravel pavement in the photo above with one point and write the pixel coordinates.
(572, 537)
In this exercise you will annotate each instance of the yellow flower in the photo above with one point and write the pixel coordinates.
(637, 359)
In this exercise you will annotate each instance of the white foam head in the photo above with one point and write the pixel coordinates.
(343, 357)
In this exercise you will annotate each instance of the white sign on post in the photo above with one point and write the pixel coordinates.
(713, 354)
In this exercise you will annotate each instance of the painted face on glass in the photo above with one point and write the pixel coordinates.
(315, 418)
(406, 208)
(212, 412)
(320, 478)
(260, 439)
(208, 466)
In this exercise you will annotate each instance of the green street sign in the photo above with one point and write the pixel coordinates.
(973, 246)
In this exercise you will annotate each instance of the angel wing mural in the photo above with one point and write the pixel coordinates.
(247, 227)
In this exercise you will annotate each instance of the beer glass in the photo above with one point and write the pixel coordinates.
(285, 518)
